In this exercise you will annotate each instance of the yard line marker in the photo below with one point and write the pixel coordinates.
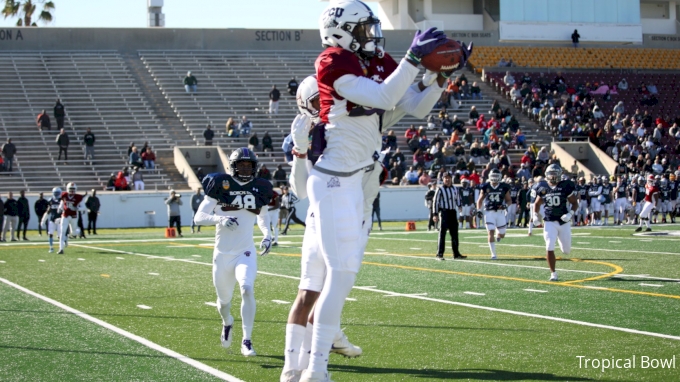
(152, 345)
(105, 275)
(416, 249)
(615, 242)
(475, 293)
(2, 261)
(381, 250)
(120, 258)
(81, 259)
(281, 302)
(580, 234)
(350, 299)
(582, 242)
(448, 302)
(394, 294)
(144, 307)
(195, 255)
(651, 285)
(154, 274)
(177, 246)
(536, 290)
(645, 239)
(211, 304)
(41, 261)
(372, 286)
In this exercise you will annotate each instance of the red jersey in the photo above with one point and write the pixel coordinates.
(71, 203)
(649, 191)
(274, 204)
(336, 62)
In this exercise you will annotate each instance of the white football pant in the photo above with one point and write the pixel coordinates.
(66, 221)
(495, 220)
(228, 269)
(554, 231)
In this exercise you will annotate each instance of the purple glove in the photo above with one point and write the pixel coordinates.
(467, 52)
(424, 43)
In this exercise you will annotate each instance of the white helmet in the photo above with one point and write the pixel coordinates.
(495, 176)
(351, 25)
(71, 188)
(553, 173)
(56, 192)
(306, 92)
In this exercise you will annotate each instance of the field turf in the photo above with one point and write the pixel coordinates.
(415, 318)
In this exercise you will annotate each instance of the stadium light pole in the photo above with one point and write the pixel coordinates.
(156, 16)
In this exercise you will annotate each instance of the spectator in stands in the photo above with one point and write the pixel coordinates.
(543, 155)
(174, 216)
(254, 142)
(135, 159)
(464, 90)
(2, 164)
(190, 83)
(452, 91)
(264, 173)
(137, 179)
(652, 88)
(292, 87)
(208, 135)
(231, 129)
(623, 84)
(121, 184)
(482, 124)
(575, 38)
(267, 143)
(411, 176)
(473, 115)
(502, 63)
(11, 213)
(597, 113)
(59, 114)
(619, 108)
(424, 179)
(509, 79)
(526, 79)
(245, 126)
(274, 96)
(8, 152)
(520, 139)
(63, 141)
(280, 176)
(524, 171)
(129, 150)
(475, 91)
(111, 183)
(43, 121)
(89, 140)
(149, 159)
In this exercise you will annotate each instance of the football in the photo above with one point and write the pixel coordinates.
(444, 58)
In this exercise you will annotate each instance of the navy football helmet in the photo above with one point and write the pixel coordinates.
(242, 155)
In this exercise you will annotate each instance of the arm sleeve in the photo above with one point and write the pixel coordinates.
(417, 103)
(366, 92)
(204, 215)
(435, 201)
(264, 222)
(298, 176)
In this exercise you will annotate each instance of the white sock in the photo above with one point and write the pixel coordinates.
(306, 348)
(247, 312)
(531, 226)
(492, 245)
(321, 345)
(554, 274)
(295, 335)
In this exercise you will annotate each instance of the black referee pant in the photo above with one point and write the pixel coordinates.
(448, 222)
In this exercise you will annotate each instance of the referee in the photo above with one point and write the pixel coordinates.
(444, 207)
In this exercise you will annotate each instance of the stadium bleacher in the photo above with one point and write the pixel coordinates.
(97, 91)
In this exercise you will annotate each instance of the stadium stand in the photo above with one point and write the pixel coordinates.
(563, 57)
(98, 92)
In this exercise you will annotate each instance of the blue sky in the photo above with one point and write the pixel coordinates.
(279, 14)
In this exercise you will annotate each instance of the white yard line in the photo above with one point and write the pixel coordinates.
(652, 285)
(536, 290)
(145, 307)
(448, 302)
(475, 293)
(152, 345)
(211, 304)
(281, 302)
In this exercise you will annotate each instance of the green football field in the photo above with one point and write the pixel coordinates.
(132, 305)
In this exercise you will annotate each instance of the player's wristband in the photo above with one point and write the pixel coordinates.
(298, 154)
(410, 56)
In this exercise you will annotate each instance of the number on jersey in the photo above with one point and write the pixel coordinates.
(552, 200)
(245, 201)
(496, 198)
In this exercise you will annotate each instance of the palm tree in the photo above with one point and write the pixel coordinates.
(25, 9)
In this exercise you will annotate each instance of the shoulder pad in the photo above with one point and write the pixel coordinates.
(214, 183)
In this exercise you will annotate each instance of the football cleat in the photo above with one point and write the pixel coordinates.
(493, 257)
(291, 376)
(61, 252)
(342, 346)
(227, 334)
(638, 229)
(648, 230)
(51, 250)
(553, 277)
(310, 376)
(247, 349)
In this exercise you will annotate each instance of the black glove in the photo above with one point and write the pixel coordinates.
(654, 210)
(480, 214)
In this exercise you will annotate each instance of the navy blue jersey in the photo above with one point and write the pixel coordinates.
(514, 192)
(665, 193)
(607, 193)
(467, 195)
(556, 199)
(494, 197)
(594, 190)
(535, 189)
(674, 188)
(641, 191)
(53, 209)
(582, 191)
(232, 195)
(620, 191)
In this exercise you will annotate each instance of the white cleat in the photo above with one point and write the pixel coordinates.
(308, 376)
(51, 250)
(247, 349)
(553, 277)
(291, 376)
(494, 258)
(227, 334)
(342, 346)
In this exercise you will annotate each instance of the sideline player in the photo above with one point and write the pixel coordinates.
(232, 202)
(557, 216)
(621, 201)
(665, 192)
(495, 196)
(673, 184)
(582, 193)
(71, 203)
(51, 219)
(595, 191)
(638, 196)
(467, 199)
(607, 206)
(537, 184)
(650, 205)
(512, 207)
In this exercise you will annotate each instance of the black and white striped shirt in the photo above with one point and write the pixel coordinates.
(446, 198)
(288, 200)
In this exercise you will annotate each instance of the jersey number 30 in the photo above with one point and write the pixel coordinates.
(552, 200)
(245, 201)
